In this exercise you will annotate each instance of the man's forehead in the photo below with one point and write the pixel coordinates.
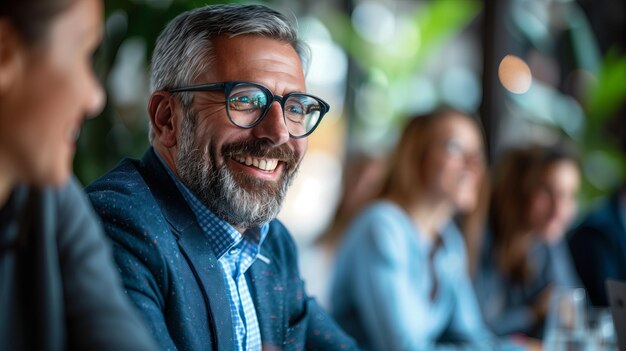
(254, 58)
(252, 46)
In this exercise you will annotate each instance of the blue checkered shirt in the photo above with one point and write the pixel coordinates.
(235, 253)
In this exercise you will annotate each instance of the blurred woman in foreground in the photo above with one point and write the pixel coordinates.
(58, 287)
(533, 201)
(401, 281)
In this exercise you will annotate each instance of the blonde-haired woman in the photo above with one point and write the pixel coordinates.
(401, 281)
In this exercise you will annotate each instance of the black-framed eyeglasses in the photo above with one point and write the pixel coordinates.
(247, 103)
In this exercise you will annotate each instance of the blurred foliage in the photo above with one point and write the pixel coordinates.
(603, 146)
(609, 92)
(386, 70)
(430, 25)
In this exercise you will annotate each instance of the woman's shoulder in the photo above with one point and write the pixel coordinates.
(383, 211)
(381, 225)
(54, 202)
(383, 216)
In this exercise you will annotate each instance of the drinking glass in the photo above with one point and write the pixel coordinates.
(566, 327)
(603, 336)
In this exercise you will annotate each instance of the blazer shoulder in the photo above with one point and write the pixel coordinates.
(123, 179)
(124, 201)
(123, 187)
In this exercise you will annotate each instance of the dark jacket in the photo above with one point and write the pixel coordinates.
(598, 247)
(172, 275)
(58, 285)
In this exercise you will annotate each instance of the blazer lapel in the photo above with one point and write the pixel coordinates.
(194, 246)
(206, 269)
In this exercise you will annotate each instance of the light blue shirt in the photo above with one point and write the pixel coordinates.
(235, 253)
(381, 290)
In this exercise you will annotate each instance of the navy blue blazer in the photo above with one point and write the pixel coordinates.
(173, 277)
(598, 247)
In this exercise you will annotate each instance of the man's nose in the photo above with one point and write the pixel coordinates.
(273, 127)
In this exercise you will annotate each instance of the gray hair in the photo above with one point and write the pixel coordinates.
(184, 49)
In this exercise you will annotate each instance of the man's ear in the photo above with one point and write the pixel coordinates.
(165, 118)
(11, 55)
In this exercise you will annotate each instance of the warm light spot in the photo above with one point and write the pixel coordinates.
(514, 74)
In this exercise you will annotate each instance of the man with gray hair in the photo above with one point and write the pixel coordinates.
(193, 222)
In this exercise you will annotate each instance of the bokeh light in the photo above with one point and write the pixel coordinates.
(374, 22)
(514, 74)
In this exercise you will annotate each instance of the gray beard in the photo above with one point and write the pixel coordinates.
(240, 199)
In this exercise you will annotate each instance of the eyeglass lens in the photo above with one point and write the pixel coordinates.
(247, 103)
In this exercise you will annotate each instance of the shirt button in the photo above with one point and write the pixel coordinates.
(233, 251)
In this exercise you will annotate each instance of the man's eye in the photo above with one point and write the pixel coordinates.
(246, 102)
(295, 109)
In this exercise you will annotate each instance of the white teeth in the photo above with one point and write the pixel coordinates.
(264, 164)
(268, 165)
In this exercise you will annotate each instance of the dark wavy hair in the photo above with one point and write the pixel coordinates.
(517, 175)
(32, 18)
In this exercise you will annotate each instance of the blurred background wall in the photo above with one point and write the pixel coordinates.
(531, 70)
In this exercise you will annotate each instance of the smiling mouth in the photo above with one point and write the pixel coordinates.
(264, 164)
